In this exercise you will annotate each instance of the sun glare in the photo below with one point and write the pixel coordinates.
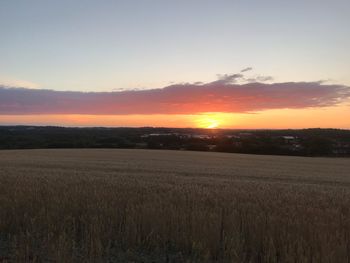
(212, 124)
(211, 120)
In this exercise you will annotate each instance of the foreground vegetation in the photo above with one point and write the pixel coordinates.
(164, 206)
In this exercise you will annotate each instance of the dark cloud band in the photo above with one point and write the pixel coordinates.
(223, 95)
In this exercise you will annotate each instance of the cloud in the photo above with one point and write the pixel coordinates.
(18, 83)
(260, 79)
(223, 95)
(228, 79)
(246, 69)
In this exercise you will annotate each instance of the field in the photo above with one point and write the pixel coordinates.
(172, 206)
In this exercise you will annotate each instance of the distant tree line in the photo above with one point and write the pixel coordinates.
(306, 142)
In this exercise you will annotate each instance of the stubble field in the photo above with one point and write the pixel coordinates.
(172, 206)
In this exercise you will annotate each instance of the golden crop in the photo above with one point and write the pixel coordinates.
(172, 206)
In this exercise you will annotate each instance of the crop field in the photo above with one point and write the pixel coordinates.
(172, 206)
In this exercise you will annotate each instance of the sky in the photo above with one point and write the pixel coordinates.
(194, 63)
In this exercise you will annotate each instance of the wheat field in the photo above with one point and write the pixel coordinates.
(172, 206)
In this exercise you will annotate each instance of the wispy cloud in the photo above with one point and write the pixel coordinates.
(222, 95)
(246, 69)
(259, 79)
(9, 82)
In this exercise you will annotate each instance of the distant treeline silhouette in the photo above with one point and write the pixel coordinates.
(305, 142)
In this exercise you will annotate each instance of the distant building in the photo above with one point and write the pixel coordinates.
(290, 139)
(201, 136)
(232, 136)
(341, 148)
(158, 134)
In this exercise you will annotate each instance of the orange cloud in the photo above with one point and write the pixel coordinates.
(223, 95)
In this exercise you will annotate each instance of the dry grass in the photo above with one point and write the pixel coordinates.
(164, 206)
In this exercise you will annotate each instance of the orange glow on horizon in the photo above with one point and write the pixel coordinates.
(214, 120)
(330, 117)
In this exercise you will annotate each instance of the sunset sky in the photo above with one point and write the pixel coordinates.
(185, 63)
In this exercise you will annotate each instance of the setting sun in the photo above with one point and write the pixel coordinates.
(212, 120)
(212, 124)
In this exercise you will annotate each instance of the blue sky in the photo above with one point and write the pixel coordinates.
(108, 45)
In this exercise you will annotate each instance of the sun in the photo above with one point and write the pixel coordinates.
(212, 123)
(210, 120)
